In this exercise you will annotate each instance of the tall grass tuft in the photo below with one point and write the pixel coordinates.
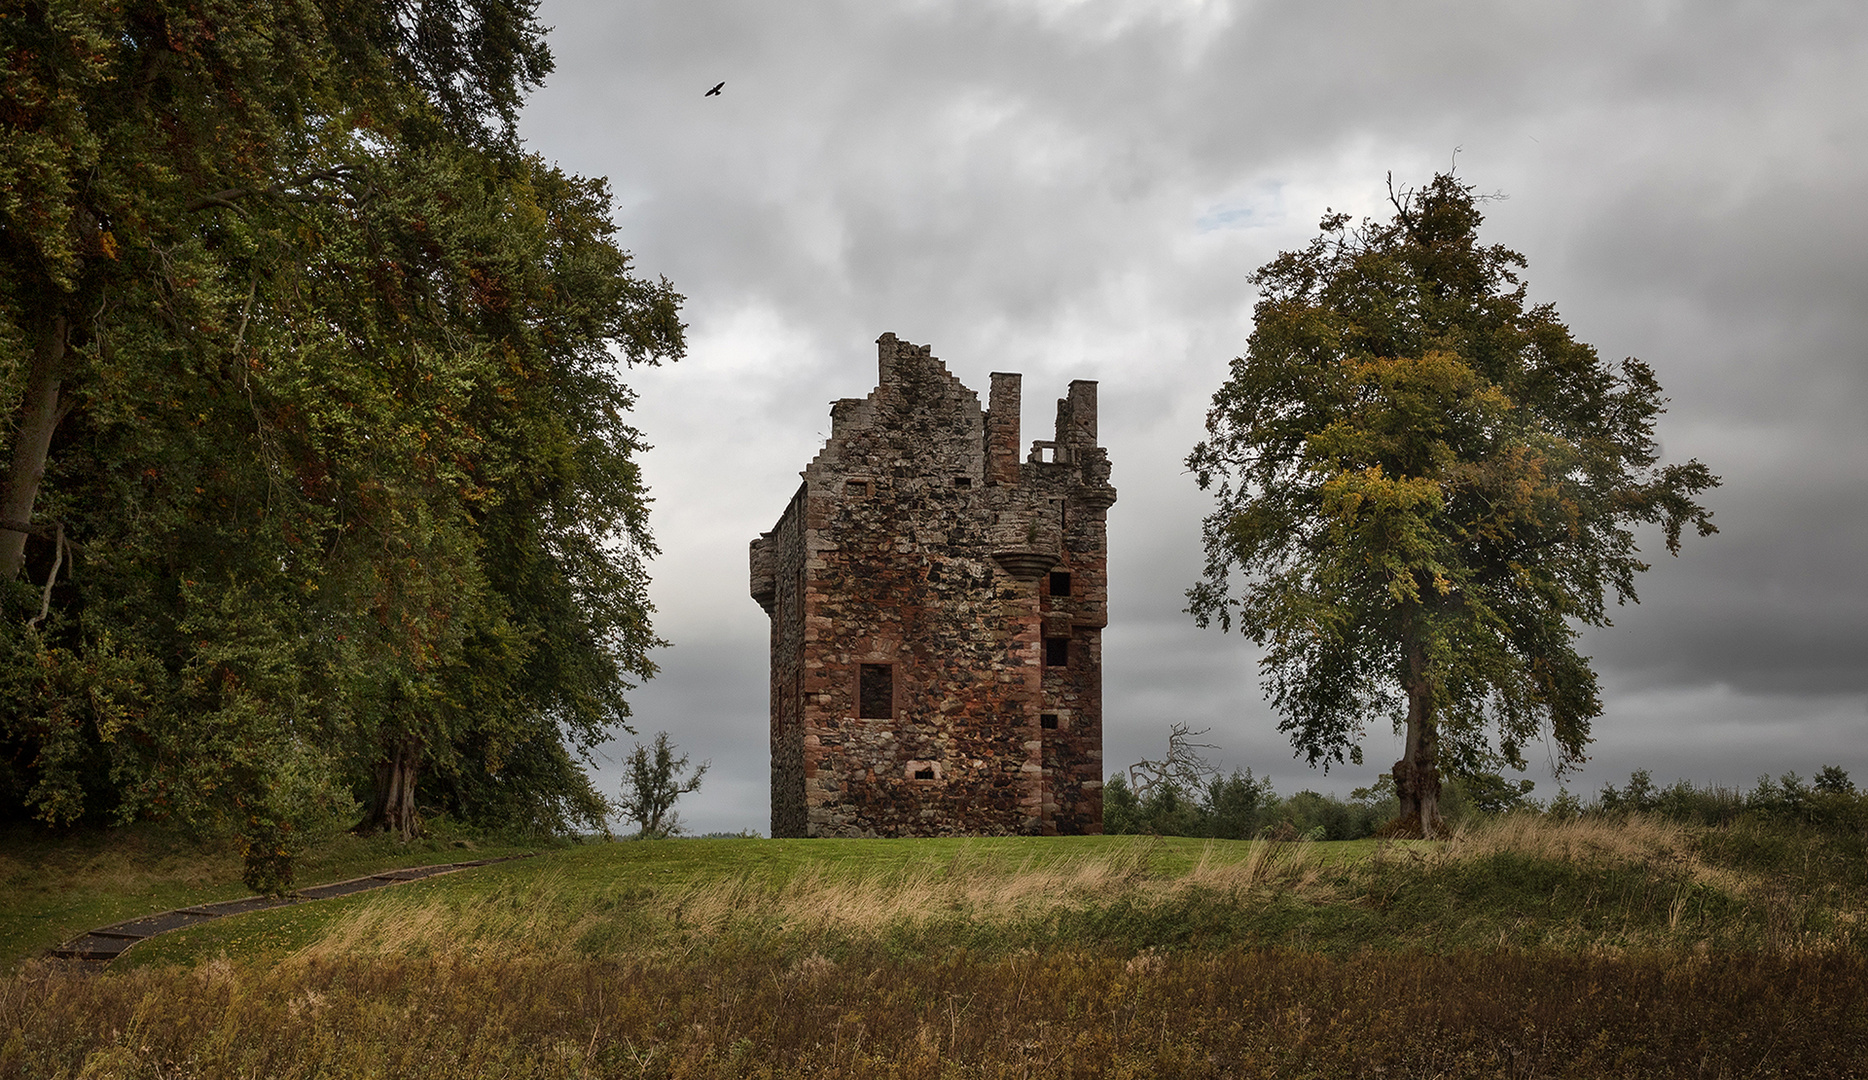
(1069, 1012)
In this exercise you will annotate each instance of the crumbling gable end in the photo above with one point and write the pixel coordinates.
(937, 606)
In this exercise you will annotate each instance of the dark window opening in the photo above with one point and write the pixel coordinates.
(856, 489)
(875, 692)
(1056, 652)
(1060, 583)
(924, 774)
(963, 481)
(1047, 720)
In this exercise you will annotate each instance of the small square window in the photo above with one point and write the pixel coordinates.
(924, 774)
(1047, 721)
(1060, 583)
(1057, 652)
(963, 481)
(875, 692)
(856, 489)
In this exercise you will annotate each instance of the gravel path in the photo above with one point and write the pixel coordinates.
(97, 948)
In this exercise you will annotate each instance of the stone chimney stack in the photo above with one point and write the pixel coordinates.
(1076, 416)
(888, 346)
(1002, 429)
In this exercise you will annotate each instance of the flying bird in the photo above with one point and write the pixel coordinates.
(715, 92)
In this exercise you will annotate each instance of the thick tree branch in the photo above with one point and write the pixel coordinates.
(230, 197)
(45, 597)
(39, 416)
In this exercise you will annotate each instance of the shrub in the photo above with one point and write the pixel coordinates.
(1830, 804)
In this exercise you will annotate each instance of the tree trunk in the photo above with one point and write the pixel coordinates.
(39, 415)
(1417, 774)
(392, 797)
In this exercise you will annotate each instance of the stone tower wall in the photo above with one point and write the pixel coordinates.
(778, 561)
(921, 548)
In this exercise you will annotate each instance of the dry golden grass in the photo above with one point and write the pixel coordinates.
(1633, 839)
(1062, 1012)
(1640, 840)
(552, 915)
(1637, 883)
(1520, 883)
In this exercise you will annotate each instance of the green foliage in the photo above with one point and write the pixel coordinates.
(1834, 780)
(1426, 484)
(1490, 793)
(1244, 807)
(654, 782)
(342, 442)
(1831, 805)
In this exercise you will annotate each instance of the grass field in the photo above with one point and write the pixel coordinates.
(56, 886)
(1524, 947)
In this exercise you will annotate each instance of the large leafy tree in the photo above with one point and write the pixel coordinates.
(1426, 486)
(318, 478)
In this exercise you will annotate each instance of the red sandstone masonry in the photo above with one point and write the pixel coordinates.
(920, 544)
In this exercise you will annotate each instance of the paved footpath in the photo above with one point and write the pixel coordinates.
(95, 949)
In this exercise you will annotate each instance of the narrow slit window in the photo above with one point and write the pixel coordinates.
(875, 692)
(1057, 652)
(1048, 721)
(1060, 583)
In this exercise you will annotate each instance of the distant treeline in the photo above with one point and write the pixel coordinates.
(1243, 807)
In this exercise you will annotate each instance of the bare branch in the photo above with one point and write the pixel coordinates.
(1183, 767)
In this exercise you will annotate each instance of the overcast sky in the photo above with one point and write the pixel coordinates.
(1080, 189)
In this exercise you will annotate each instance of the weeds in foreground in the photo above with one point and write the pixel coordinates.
(1071, 1012)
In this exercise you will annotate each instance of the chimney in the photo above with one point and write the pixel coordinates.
(1002, 429)
(887, 347)
(1076, 416)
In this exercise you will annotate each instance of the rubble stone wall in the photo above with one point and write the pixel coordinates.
(778, 562)
(920, 547)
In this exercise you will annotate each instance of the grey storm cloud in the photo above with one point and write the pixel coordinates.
(1081, 188)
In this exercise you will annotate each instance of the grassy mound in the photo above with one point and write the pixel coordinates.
(54, 886)
(1522, 946)
(1518, 882)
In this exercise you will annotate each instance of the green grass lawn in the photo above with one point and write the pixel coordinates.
(1528, 885)
(1642, 885)
(54, 886)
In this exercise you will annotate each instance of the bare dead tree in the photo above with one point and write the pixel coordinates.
(1183, 767)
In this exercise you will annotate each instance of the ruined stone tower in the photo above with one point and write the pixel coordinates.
(937, 610)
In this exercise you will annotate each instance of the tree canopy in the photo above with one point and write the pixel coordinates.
(319, 483)
(1426, 485)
